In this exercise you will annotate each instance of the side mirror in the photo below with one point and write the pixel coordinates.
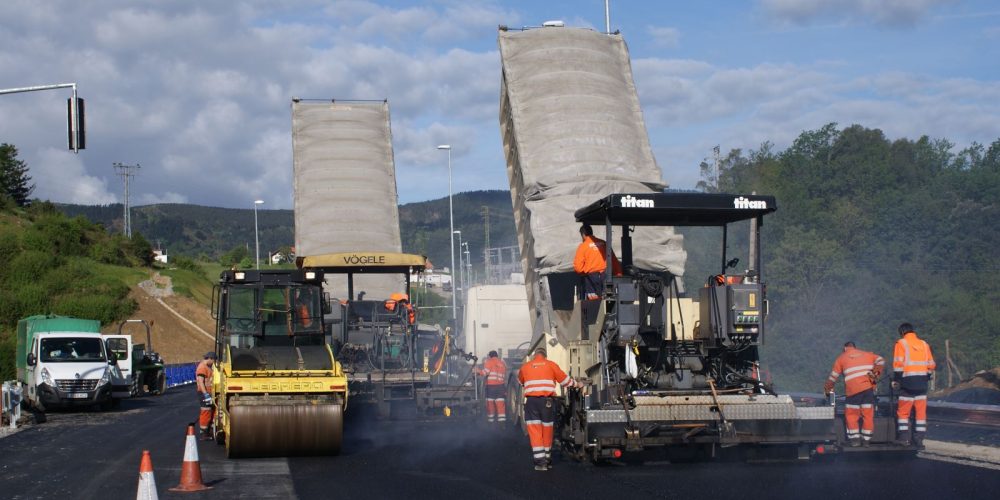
(112, 358)
(31, 360)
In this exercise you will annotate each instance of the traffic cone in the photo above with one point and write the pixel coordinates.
(147, 483)
(191, 468)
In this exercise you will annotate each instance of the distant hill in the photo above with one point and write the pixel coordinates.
(208, 232)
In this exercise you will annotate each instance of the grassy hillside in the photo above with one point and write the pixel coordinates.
(54, 264)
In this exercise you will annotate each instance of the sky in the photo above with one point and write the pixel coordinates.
(199, 93)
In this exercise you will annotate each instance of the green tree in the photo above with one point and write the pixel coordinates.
(14, 179)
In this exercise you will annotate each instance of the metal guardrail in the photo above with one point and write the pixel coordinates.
(180, 374)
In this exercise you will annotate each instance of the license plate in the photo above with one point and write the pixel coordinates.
(78, 395)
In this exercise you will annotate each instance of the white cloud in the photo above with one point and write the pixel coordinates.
(59, 175)
(899, 13)
(664, 36)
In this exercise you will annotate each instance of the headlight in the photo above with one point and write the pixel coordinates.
(105, 378)
(47, 378)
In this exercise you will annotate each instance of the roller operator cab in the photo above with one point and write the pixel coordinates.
(278, 390)
(665, 366)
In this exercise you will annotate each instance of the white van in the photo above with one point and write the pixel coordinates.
(67, 369)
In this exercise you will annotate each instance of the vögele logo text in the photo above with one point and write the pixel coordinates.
(629, 201)
(742, 202)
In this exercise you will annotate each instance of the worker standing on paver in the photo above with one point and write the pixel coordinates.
(539, 378)
(591, 261)
(861, 370)
(203, 383)
(912, 367)
(495, 372)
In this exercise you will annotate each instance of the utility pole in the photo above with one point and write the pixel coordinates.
(486, 225)
(126, 172)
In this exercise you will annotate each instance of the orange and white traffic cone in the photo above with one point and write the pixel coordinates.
(147, 483)
(191, 468)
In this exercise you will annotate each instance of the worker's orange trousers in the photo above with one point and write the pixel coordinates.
(539, 417)
(860, 406)
(205, 418)
(908, 401)
(496, 406)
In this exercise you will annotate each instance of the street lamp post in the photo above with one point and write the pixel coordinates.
(461, 267)
(256, 236)
(451, 225)
(468, 268)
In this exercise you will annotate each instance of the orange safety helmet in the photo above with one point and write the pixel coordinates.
(399, 296)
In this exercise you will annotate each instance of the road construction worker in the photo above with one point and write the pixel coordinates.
(400, 302)
(302, 309)
(912, 367)
(495, 371)
(861, 371)
(539, 378)
(591, 262)
(203, 384)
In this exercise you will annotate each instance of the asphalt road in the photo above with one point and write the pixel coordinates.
(96, 455)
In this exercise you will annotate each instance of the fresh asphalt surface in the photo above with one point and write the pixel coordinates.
(96, 455)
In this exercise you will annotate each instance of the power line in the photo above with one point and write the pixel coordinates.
(126, 172)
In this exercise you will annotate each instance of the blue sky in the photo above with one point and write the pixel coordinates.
(198, 92)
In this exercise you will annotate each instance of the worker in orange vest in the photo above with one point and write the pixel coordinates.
(591, 262)
(861, 370)
(539, 378)
(495, 371)
(302, 308)
(912, 367)
(401, 301)
(203, 384)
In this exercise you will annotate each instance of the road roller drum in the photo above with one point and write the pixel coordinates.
(284, 428)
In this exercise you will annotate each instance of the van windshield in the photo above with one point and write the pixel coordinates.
(71, 350)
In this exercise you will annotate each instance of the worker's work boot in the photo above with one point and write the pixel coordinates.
(918, 441)
(206, 435)
(866, 443)
(855, 442)
(541, 467)
(903, 438)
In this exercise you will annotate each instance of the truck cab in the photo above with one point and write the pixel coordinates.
(63, 362)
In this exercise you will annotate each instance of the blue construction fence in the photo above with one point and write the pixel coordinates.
(180, 374)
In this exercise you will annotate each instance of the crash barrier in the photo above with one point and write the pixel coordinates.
(180, 374)
(11, 403)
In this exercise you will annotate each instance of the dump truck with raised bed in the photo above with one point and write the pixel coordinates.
(277, 389)
(347, 225)
(665, 367)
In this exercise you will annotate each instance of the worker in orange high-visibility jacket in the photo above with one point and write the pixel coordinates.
(540, 378)
(400, 301)
(912, 367)
(591, 262)
(203, 384)
(861, 371)
(495, 372)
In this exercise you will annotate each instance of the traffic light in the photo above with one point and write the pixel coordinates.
(75, 126)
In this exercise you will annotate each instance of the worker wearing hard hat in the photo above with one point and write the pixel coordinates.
(203, 384)
(398, 302)
(539, 378)
(495, 371)
(591, 262)
(861, 371)
(912, 367)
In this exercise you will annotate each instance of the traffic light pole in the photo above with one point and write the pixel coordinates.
(74, 118)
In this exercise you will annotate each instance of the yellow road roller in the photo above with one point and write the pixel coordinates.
(278, 390)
